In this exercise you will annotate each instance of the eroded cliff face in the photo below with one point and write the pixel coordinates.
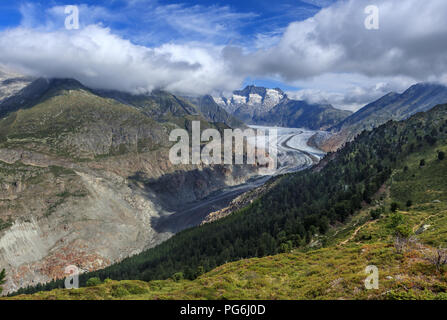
(55, 212)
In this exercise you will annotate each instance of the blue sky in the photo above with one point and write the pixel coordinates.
(149, 22)
(240, 21)
(260, 15)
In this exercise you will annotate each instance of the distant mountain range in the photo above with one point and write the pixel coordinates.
(263, 106)
(393, 106)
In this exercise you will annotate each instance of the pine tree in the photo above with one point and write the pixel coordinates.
(2, 279)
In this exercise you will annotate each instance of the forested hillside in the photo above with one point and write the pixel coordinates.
(298, 211)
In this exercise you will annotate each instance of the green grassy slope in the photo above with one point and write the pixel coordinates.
(69, 120)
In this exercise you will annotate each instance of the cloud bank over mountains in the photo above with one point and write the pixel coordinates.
(410, 42)
(98, 58)
(333, 45)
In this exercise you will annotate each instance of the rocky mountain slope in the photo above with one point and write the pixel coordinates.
(301, 114)
(83, 176)
(11, 83)
(393, 106)
(165, 107)
(272, 107)
(214, 112)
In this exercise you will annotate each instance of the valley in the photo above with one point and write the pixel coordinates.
(405, 199)
(294, 155)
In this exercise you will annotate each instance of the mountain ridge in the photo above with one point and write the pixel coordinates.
(301, 114)
(264, 106)
(419, 97)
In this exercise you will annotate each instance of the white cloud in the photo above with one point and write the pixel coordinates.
(331, 56)
(36, 16)
(410, 42)
(100, 59)
(147, 22)
(213, 21)
(334, 58)
(347, 90)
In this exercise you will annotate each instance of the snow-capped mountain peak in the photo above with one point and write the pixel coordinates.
(252, 99)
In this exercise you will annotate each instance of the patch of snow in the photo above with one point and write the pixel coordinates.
(236, 99)
(272, 98)
(254, 99)
(220, 101)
